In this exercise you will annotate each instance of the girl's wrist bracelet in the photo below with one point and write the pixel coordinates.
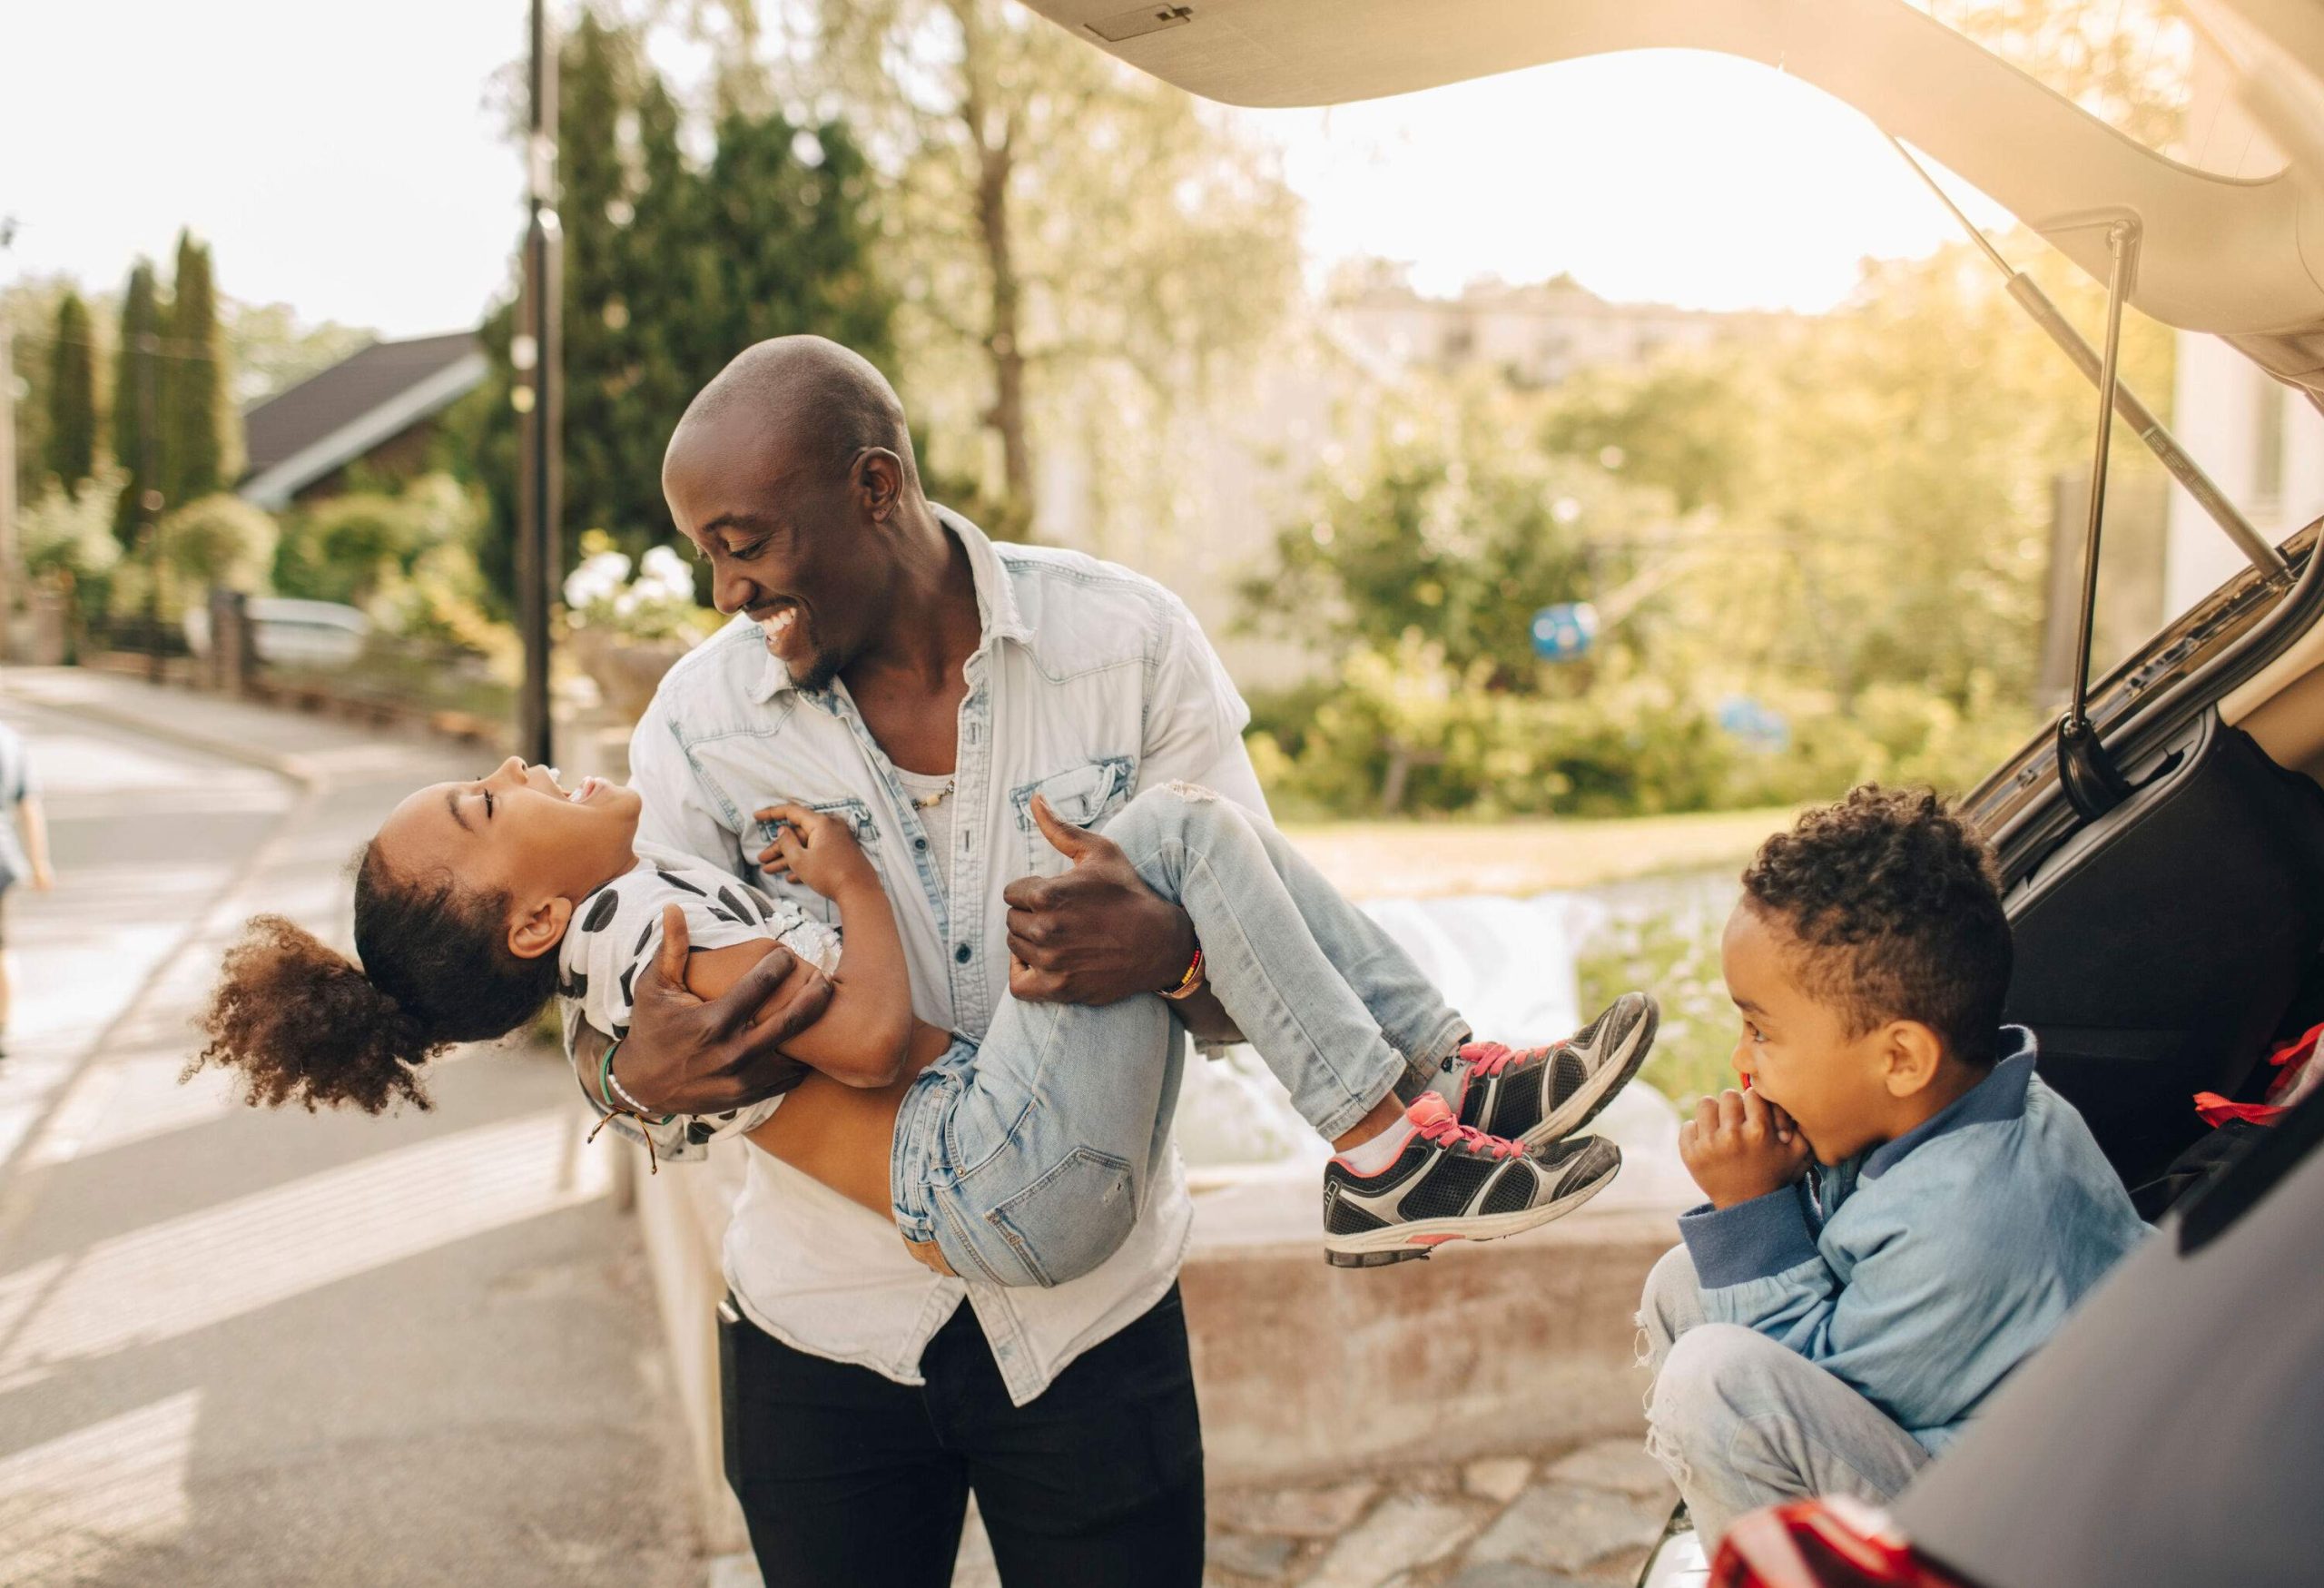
(1189, 983)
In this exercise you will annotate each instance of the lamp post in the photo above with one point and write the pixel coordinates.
(8, 580)
(539, 397)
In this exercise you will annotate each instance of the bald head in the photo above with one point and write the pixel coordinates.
(815, 403)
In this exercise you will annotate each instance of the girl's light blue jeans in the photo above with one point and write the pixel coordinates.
(1026, 1158)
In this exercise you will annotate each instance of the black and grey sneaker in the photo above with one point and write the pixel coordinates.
(1453, 1183)
(1536, 1095)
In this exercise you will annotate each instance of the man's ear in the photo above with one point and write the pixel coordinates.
(879, 481)
(535, 932)
(1911, 1055)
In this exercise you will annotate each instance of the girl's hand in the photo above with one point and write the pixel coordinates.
(818, 849)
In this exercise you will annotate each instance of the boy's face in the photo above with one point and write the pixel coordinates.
(516, 831)
(1796, 1051)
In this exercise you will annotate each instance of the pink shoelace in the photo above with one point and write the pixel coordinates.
(1492, 1058)
(1437, 1125)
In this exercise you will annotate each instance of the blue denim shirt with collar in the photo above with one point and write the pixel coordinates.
(1921, 1272)
(1090, 684)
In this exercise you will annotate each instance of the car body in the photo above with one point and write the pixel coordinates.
(2173, 1434)
(288, 632)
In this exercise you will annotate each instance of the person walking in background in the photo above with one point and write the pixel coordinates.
(20, 856)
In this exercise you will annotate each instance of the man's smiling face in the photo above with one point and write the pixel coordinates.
(788, 543)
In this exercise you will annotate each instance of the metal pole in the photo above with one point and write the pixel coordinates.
(149, 494)
(2148, 429)
(539, 397)
(9, 583)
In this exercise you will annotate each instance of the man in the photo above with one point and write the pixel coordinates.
(891, 665)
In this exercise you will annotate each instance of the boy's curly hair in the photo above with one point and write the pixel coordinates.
(305, 1024)
(1895, 906)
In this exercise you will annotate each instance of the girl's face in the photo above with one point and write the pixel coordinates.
(517, 832)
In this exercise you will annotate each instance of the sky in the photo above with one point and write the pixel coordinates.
(353, 163)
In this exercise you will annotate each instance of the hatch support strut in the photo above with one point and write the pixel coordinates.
(2136, 414)
(2094, 785)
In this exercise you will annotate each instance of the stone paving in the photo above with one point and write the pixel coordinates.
(1557, 1518)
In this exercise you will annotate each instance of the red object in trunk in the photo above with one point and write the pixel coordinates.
(1836, 1543)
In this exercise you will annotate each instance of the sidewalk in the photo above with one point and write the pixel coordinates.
(258, 1348)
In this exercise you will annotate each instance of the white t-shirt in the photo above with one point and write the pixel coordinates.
(616, 932)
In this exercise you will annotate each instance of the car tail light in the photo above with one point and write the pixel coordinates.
(1834, 1542)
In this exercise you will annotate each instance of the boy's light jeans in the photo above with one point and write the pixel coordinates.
(1026, 1158)
(1741, 1421)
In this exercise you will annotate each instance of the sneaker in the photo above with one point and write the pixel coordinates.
(1538, 1095)
(1454, 1183)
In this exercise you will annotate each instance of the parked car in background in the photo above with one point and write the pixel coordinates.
(2162, 851)
(287, 632)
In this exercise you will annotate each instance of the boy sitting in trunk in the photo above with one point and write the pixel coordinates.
(1900, 1211)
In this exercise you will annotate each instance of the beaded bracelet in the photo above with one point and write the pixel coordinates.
(1189, 982)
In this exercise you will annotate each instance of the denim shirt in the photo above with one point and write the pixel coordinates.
(1089, 682)
(1921, 1272)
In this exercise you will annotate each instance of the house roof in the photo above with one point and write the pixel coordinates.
(330, 419)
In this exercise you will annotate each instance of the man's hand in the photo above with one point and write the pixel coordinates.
(685, 1055)
(1096, 935)
(1740, 1146)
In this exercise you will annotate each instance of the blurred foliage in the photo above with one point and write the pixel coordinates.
(1845, 523)
(359, 547)
(219, 540)
(1082, 252)
(200, 439)
(1457, 525)
(67, 543)
(1671, 945)
(2130, 63)
(70, 448)
(136, 395)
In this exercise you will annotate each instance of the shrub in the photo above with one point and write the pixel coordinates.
(218, 540)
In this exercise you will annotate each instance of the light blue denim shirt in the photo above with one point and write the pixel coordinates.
(1921, 1272)
(1090, 684)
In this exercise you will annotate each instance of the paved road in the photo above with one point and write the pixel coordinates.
(244, 1348)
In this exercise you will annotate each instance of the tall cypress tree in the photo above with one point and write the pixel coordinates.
(193, 409)
(72, 450)
(670, 270)
(141, 321)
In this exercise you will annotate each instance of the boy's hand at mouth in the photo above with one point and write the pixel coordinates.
(1740, 1146)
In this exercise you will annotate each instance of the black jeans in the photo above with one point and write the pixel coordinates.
(854, 1481)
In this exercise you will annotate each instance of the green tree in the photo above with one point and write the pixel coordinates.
(356, 546)
(1454, 527)
(137, 375)
(1077, 237)
(672, 267)
(72, 449)
(197, 453)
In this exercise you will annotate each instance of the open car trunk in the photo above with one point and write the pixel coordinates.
(2161, 947)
